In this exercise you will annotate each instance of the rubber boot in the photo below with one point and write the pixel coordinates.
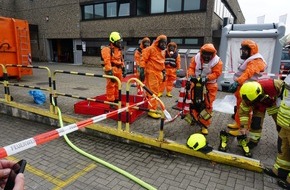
(154, 115)
(204, 131)
(283, 184)
(282, 174)
(159, 94)
(224, 136)
(242, 140)
(252, 144)
(233, 125)
(168, 94)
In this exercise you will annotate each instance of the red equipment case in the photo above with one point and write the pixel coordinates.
(98, 108)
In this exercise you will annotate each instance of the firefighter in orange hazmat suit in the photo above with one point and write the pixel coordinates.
(257, 98)
(113, 65)
(172, 66)
(206, 64)
(250, 70)
(152, 69)
(137, 58)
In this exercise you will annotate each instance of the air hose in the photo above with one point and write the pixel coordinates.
(110, 166)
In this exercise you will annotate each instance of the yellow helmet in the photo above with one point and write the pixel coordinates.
(196, 141)
(115, 36)
(251, 91)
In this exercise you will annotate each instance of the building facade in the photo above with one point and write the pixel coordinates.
(73, 31)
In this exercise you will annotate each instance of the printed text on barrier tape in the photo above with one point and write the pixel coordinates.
(51, 135)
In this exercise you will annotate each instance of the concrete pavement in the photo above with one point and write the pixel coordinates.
(177, 131)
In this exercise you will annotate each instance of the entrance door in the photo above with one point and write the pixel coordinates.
(62, 50)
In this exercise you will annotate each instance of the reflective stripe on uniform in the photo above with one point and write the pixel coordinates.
(272, 110)
(254, 136)
(283, 116)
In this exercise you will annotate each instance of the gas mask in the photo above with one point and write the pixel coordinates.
(245, 52)
(207, 56)
(118, 44)
(171, 50)
(146, 44)
(162, 44)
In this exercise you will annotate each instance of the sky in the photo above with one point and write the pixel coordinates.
(272, 9)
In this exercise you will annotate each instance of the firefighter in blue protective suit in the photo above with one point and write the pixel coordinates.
(257, 98)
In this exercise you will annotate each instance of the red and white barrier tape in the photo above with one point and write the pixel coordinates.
(54, 134)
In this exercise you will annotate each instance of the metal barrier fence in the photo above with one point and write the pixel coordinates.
(160, 142)
(54, 93)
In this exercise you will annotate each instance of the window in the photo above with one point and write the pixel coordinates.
(173, 6)
(112, 9)
(191, 41)
(124, 9)
(102, 9)
(99, 11)
(188, 42)
(221, 10)
(89, 12)
(168, 6)
(157, 6)
(176, 40)
(142, 7)
(191, 5)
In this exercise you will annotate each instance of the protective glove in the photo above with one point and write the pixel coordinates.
(110, 72)
(233, 87)
(142, 74)
(124, 72)
(164, 75)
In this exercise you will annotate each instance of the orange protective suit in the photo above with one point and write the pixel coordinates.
(250, 69)
(113, 61)
(172, 64)
(152, 61)
(137, 59)
(211, 70)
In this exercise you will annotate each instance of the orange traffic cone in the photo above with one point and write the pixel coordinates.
(180, 104)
